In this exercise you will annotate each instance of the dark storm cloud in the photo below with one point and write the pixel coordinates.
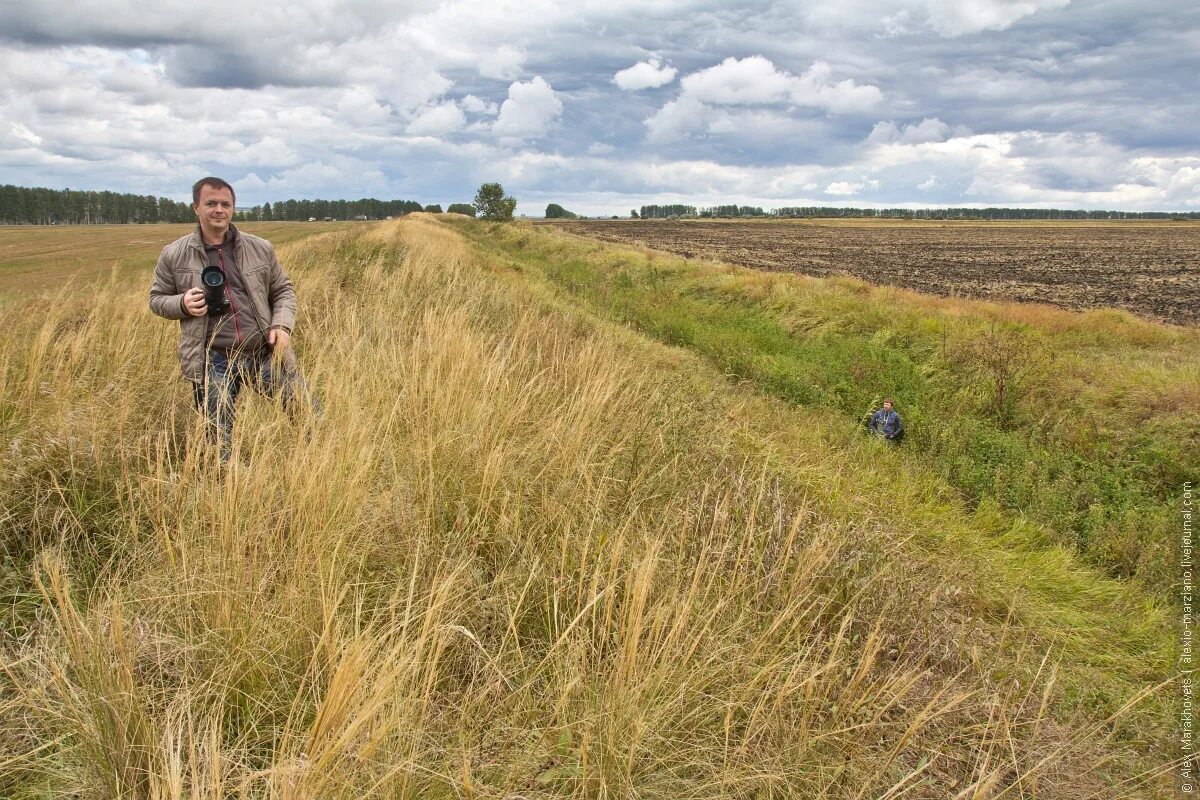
(220, 44)
(120, 23)
(1055, 177)
(215, 67)
(33, 24)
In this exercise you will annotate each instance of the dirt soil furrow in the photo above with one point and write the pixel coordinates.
(1149, 268)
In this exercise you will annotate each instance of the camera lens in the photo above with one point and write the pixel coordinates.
(212, 277)
(214, 290)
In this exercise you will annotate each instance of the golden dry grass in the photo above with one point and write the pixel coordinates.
(523, 554)
(38, 258)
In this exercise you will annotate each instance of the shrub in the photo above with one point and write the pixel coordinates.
(555, 211)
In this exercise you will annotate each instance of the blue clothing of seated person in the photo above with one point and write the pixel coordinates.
(886, 423)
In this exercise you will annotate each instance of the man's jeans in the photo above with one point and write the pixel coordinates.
(225, 375)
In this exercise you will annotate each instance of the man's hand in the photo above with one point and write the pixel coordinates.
(279, 339)
(193, 302)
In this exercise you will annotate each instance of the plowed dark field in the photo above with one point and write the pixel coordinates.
(1149, 268)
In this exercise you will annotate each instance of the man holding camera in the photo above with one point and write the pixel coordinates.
(235, 307)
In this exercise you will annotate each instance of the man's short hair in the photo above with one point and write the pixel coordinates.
(888, 401)
(215, 183)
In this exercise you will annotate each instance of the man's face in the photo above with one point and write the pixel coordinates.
(214, 210)
(887, 406)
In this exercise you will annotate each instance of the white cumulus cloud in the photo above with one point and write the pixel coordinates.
(679, 118)
(22, 132)
(756, 81)
(503, 63)
(930, 129)
(847, 188)
(437, 121)
(960, 17)
(645, 75)
(477, 105)
(270, 151)
(704, 104)
(529, 111)
(739, 82)
(817, 87)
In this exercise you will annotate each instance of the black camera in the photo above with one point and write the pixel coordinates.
(214, 290)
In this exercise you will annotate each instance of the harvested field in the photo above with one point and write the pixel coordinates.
(1149, 268)
(36, 258)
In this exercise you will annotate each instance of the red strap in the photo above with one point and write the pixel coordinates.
(237, 329)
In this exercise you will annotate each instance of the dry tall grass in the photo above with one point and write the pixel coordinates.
(517, 557)
(34, 257)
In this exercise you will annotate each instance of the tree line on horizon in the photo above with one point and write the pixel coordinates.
(793, 212)
(21, 205)
(304, 210)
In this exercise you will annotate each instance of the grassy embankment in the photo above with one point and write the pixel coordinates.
(1088, 424)
(525, 552)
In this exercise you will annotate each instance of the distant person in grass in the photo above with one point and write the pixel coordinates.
(886, 422)
(246, 342)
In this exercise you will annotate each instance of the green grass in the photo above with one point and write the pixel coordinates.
(1086, 423)
(749, 327)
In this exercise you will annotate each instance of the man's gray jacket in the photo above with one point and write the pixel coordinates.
(178, 270)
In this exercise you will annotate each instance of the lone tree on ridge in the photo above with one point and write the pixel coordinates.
(493, 204)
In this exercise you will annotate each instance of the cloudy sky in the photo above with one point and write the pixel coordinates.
(604, 105)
